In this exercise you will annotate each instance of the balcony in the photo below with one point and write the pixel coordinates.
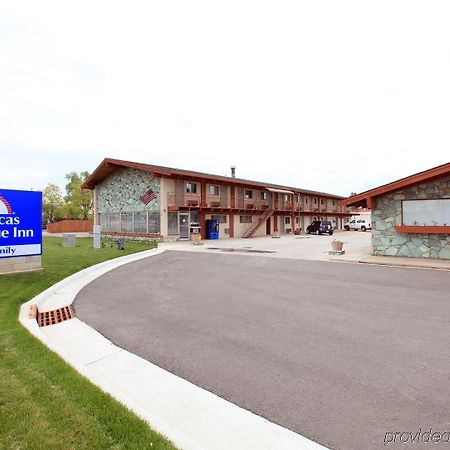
(306, 207)
(284, 206)
(175, 201)
(186, 200)
(250, 203)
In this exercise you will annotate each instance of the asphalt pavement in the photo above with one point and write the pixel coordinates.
(340, 353)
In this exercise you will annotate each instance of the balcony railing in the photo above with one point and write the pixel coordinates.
(194, 200)
(250, 203)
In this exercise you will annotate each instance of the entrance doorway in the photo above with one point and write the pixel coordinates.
(184, 226)
(268, 226)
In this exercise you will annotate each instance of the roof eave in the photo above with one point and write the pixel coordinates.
(412, 180)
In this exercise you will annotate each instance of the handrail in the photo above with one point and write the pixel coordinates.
(250, 204)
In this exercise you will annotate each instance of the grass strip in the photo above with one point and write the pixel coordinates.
(44, 403)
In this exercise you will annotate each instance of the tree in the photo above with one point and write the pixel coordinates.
(52, 203)
(79, 202)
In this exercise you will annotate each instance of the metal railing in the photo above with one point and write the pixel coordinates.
(195, 200)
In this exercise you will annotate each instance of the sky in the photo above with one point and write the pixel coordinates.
(334, 96)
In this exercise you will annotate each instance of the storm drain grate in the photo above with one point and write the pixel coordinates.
(56, 316)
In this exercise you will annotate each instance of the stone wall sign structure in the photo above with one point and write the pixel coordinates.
(387, 215)
(410, 216)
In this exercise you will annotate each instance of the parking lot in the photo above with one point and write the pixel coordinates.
(340, 353)
(356, 245)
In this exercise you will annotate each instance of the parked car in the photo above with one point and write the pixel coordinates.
(319, 227)
(358, 224)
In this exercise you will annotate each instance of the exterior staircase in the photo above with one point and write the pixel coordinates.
(251, 230)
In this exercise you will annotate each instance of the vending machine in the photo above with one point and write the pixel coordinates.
(212, 229)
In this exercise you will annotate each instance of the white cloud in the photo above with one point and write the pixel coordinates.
(333, 96)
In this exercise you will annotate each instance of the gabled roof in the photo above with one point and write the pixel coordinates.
(109, 165)
(365, 198)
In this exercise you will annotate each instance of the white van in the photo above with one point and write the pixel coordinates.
(361, 222)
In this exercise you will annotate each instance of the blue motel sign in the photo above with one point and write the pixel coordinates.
(20, 223)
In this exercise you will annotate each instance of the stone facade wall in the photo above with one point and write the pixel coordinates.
(121, 192)
(20, 264)
(388, 213)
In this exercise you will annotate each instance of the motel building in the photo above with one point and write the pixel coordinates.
(411, 216)
(133, 199)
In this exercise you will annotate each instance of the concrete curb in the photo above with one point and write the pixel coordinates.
(415, 264)
(191, 417)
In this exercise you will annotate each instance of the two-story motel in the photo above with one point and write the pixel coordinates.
(134, 199)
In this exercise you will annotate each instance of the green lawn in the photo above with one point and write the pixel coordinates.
(44, 403)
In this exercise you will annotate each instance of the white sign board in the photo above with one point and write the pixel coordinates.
(435, 212)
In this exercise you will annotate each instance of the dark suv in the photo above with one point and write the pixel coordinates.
(319, 227)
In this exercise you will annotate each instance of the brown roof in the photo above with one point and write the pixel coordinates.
(109, 165)
(364, 198)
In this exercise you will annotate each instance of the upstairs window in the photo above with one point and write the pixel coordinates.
(214, 190)
(191, 188)
(248, 194)
(263, 195)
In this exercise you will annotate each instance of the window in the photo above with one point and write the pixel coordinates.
(287, 220)
(433, 212)
(140, 222)
(135, 222)
(104, 221)
(296, 220)
(173, 222)
(321, 201)
(114, 222)
(306, 200)
(245, 219)
(315, 201)
(286, 197)
(297, 198)
(214, 190)
(153, 222)
(263, 195)
(194, 217)
(248, 194)
(220, 219)
(334, 202)
(191, 188)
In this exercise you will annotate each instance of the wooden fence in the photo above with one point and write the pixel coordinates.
(71, 226)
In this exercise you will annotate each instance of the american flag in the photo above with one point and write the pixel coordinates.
(148, 197)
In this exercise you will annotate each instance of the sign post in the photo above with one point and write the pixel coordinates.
(20, 230)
